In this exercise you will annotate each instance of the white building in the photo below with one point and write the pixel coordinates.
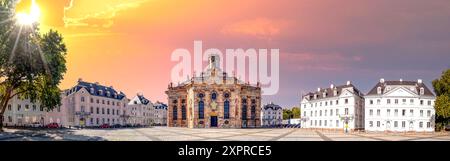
(140, 111)
(90, 104)
(160, 113)
(400, 106)
(22, 112)
(337, 107)
(271, 114)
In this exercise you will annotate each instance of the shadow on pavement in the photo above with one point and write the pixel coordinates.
(45, 135)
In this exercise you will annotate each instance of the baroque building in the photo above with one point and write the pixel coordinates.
(400, 106)
(214, 99)
(338, 107)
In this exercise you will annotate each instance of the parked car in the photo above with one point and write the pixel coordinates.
(116, 126)
(36, 124)
(104, 126)
(447, 128)
(52, 125)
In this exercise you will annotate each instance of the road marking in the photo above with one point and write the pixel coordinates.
(323, 137)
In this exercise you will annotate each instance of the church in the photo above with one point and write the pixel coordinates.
(214, 100)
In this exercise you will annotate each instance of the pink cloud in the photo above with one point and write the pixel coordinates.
(319, 61)
(263, 28)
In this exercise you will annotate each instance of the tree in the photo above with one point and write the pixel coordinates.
(31, 65)
(287, 114)
(442, 104)
(296, 112)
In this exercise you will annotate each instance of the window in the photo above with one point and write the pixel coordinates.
(422, 91)
(320, 122)
(91, 110)
(9, 107)
(403, 124)
(331, 112)
(331, 103)
(421, 113)
(337, 102)
(91, 121)
(253, 112)
(404, 101)
(421, 124)
(82, 99)
(92, 100)
(41, 108)
(19, 107)
(395, 124)
(378, 124)
(175, 113)
(183, 112)
(34, 107)
(403, 112)
(326, 112)
(98, 111)
(428, 113)
(315, 113)
(395, 112)
(82, 108)
(428, 124)
(371, 102)
(346, 111)
(378, 101)
(396, 101)
(27, 107)
(379, 90)
(201, 110)
(320, 113)
(421, 102)
(388, 101)
(411, 113)
(388, 112)
(326, 103)
(214, 96)
(337, 123)
(411, 101)
(98, 121)
(226, 109)
(107, 111)
(98, 101)
(337, 112)
(103, 111)
(371, 123)
(378, 112)
(114, 112)
(325, 124)
(429, 103)
(346, 101)
(370, 112)
(244, 112)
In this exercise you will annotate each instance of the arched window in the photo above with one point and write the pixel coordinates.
(201, 110)
(175, 113)
(214, 96)
(244, 109)
(183, 112)
(226, 109)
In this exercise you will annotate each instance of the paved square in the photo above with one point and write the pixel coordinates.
(185, 134)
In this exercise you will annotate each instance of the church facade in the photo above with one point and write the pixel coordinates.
(214, 100)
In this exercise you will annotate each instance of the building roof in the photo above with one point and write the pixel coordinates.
(329, 92)
(160, 105)
(400, 83)
(96, 90)
(272, 106)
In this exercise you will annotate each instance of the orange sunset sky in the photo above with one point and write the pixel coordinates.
(127, 43)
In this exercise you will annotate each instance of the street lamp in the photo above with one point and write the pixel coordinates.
(346, 118)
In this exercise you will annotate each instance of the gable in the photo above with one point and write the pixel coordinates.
(400, 92)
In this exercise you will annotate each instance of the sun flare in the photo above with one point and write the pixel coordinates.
(33, 16)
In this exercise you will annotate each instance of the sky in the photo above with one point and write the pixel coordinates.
(127, 44)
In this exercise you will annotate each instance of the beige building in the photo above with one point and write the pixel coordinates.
(214, 99)
(140, 111)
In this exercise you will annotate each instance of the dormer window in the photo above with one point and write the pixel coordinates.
(422, 91)
(335, 92)
(108, 94)
(324, 95)
(100, 92)
(379, 90)
(92, 90)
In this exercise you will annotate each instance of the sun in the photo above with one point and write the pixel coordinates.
(33, 16)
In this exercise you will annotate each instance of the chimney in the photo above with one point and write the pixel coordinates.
(382, 80)
(419, 81)
(348, 82)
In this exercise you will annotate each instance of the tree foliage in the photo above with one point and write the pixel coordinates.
(442, 105)
(31, 65)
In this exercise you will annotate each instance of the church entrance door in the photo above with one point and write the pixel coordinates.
(213, 121)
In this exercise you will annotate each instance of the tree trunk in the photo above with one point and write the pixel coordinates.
(4, 103)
